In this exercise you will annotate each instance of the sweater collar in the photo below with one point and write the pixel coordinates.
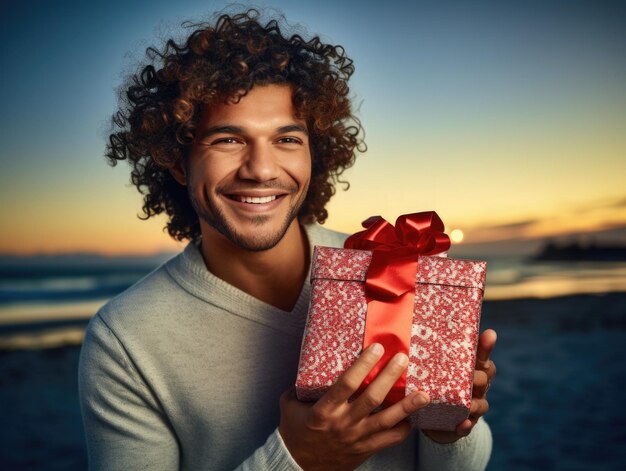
(189, 271)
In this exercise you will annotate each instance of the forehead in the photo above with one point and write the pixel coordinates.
(263, 104)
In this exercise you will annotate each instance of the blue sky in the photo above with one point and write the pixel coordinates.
(491, 113)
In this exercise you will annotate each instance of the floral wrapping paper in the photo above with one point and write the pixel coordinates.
(444, 335)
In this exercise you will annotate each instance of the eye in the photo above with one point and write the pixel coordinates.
(289, 140)
(225, 140)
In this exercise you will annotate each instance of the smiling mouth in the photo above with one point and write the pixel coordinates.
(253, 199)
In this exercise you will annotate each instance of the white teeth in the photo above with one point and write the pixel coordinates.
(254, 199)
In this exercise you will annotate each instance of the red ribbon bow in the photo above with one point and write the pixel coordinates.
(390, 281)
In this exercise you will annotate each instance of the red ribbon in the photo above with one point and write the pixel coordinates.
(390, 281)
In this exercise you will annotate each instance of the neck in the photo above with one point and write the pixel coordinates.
(274, 276)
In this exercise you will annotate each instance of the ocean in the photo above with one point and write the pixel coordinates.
(45, 300)
(39, 293)
(556, 403)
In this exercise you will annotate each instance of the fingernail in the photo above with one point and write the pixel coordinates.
(376, 348)
(420, 400)
(401, 359)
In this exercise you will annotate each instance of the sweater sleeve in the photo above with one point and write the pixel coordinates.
(470, 453)
(273, 455)
(124, 426)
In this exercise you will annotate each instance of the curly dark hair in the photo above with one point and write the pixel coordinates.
(161, 105)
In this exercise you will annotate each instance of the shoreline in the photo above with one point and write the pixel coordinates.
(67, 331)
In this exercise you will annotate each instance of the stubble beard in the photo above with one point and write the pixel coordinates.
(214, 216)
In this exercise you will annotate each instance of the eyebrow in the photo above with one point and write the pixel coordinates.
(231, 129)
(228, 129)
(293, 128)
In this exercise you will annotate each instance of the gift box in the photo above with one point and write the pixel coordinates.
(438, 329)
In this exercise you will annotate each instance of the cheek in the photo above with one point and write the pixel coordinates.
(208, 175)
(300, 170)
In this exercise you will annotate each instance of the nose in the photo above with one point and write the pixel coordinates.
(259, 164)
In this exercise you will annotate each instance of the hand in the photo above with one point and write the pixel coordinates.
(483, 376)
(336, 433)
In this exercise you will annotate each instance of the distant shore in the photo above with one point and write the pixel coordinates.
(577, 251)
(52, 333)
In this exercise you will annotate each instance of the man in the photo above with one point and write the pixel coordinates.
(238, 135)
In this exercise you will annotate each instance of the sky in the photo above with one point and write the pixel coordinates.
(507, 118)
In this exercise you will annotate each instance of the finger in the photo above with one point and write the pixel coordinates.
(375, 393)
(491, 370)
(481, 384)
(396, 413)
(478, 408)
(384, 439)
(486, 343)
(351, 379)
(465, 427)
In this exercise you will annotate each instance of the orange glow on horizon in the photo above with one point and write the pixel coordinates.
(551, 226)
(111, 228)
(116, 236)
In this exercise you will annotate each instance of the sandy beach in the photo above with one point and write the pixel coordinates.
(556, 403)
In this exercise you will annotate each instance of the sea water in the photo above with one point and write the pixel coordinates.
(32, 290)
(557, 399)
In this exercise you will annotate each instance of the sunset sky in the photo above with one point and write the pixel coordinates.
(507, 118)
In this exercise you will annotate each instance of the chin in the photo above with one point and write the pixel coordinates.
(256, 238)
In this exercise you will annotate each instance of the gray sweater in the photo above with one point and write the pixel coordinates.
(184, 371)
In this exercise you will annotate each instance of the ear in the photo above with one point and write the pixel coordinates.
(179, 173)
